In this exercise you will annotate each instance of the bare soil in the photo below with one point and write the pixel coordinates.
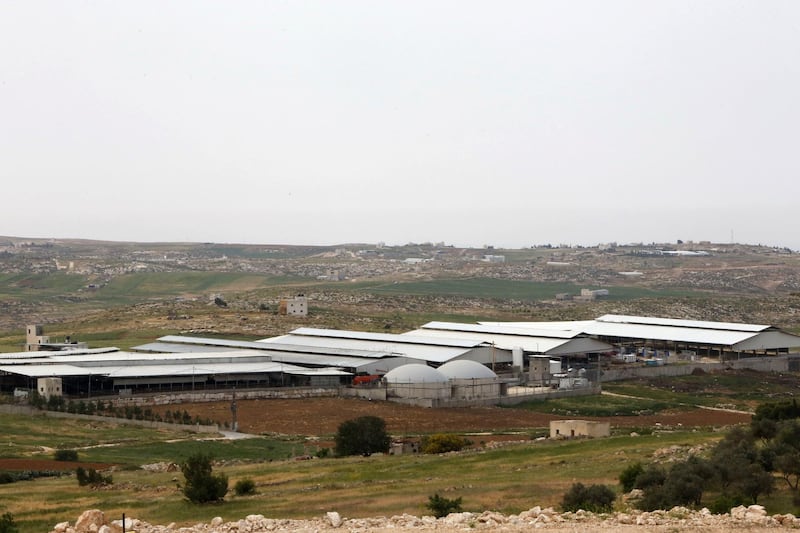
(47, 464)
(322, 416)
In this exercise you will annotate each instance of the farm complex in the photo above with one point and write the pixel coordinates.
(437, 365)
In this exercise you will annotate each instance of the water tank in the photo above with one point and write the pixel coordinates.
(516, 357)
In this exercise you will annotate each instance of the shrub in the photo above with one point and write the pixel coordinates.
(442, 443)
(322, 453)
(201, 485)
(441, 506)
(92, 478)
(7, 524)
(594, 498)
(628, 476)
(362, 436)
(245, 487)
(723, 504)
(65, 455)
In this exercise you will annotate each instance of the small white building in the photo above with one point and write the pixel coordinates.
(569, 429)
(49, 387)
(297, 306)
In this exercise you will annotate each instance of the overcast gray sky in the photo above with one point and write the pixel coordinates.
(321, 122)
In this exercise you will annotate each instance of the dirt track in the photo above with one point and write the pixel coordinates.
(322, 416)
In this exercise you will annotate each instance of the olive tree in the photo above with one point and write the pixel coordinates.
(362, 436)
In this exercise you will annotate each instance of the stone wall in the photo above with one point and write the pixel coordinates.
(25, 410)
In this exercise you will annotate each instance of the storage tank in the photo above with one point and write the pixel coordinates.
(517, 358)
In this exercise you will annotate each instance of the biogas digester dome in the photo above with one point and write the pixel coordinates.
(466, 369)
(461, 379)
(415, 373)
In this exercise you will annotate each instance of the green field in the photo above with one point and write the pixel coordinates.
(508, 479)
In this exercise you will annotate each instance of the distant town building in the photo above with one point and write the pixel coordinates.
(494, 258)
(588, 295)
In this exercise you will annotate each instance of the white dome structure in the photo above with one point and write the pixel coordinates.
(466, 369)
(417, 383)
(415, 373)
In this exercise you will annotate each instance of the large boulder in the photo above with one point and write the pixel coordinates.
(90, 521)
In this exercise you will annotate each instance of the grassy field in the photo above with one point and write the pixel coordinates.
(741, 390)
(508, 479)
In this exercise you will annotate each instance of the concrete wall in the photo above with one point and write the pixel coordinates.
(433, 391)
(473, 389)
(781, 363)
(221, 396)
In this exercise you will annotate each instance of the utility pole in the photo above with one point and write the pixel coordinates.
(234, 409)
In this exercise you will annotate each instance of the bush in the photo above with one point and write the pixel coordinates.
(92, 478)
(7, 524)
(442, 443)
(362, 436)
(65, 455)
(594, 498)
(441, 506)
(628, 476)
(201, 485)
(322, 453)
(245, 487)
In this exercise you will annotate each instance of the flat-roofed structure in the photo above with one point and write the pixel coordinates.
(356, 361)
(426, 349)
(725, 339)
(108, 371)
(507, 336)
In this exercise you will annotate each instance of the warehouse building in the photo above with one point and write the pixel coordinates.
(669, 337)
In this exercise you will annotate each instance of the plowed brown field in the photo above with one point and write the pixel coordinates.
(322, 416)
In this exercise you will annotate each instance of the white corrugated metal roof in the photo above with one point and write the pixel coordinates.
(204, 343)
(698, 324)
(46, 371)
(499, 328)
(389, 338)
(546, 345)
(430, 350)
(739, 337)
(145, 371)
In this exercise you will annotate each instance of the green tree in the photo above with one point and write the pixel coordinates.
(362, 436)
(443, 443)
(628, 476)
(244, 487)
(785, 452)
(201, 485)
(441, 506)
(594, 498)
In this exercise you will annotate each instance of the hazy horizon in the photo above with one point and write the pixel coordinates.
(509, 124)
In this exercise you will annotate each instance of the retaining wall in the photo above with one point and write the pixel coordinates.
(219, 396)
(778, 363)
